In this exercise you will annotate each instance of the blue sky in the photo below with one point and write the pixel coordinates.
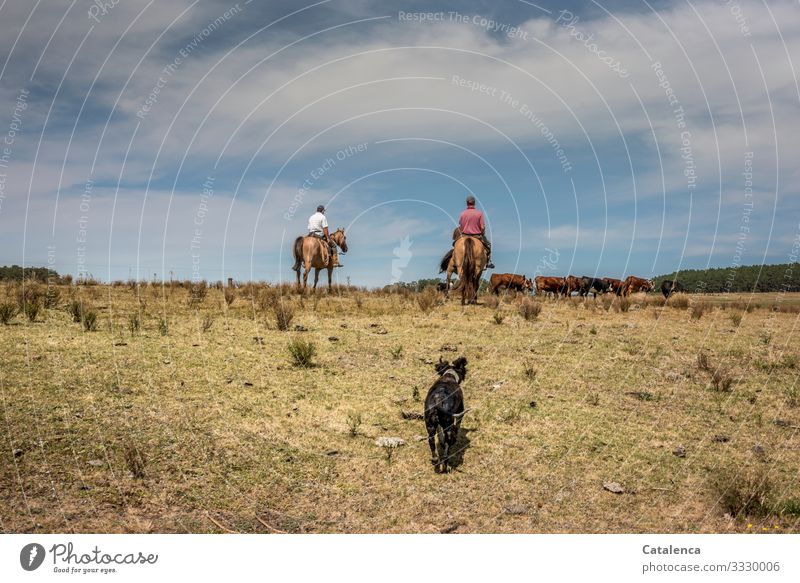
(195, 138)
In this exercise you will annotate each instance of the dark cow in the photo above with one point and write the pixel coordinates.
(444, 409)
(592, 284)
(614, 285)
(633, 284)
(509, 281)
(549, 285)
(669, 287)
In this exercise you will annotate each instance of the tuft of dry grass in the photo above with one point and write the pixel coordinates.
(427, 299)
(7, 312)
(678, 301)
(743, 492)
(699, 308)
(736, 319)
(624, 304)
(283, 314)
(529, 309)
(230, 296)
(498, 317)
(491, 301)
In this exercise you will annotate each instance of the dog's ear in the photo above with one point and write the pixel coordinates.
(460, 365)
(441, 366)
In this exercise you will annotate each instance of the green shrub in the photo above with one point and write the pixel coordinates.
(7, 312)
(302, 353)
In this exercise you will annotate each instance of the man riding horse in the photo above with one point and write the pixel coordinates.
(471, 223)
(318, 249)
(470, 254)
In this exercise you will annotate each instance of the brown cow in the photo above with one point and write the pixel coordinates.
(547, 285)
(614, 285)
(632, 284)
(571, 284)
(509, 281)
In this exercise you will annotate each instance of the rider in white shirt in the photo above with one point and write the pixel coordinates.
(318, 227)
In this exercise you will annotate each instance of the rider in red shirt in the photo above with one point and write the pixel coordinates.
(471, 222)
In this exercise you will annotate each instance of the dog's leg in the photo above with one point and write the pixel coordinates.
(432, 444)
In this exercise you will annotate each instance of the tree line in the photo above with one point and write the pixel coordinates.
(784, 277)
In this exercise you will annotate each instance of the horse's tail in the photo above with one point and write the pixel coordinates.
(468, 269)
(445, 261)
(298, 251)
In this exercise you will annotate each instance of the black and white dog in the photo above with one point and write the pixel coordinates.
(444, 409)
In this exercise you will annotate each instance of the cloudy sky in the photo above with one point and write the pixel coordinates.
(194, 138)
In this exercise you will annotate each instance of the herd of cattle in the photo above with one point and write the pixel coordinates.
(565, 286)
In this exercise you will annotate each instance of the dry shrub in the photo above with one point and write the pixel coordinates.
(742, 492)
(197, 293)
(721, 380)
(134, 460)
(702, 362)
(529, 309)
(607, 302)
(207, 322)
(283, 314)
(32, 309)
(678, 301)
(624, 304)
(510, 295)
(744, 306)
(89, 320)
(736, 319)
(7, 312)
(654, 301)
(499, 317)
(359, 300)
(427, 299)
(230, 295)
(52, 297)
(491, 301)
(75, 309)
(699, 308)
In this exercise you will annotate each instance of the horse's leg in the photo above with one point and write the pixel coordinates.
(330, 276)
(316, 277)
(306, 270)
(447, 281)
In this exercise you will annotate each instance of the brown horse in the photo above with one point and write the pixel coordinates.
(314, 253)
(468, 261)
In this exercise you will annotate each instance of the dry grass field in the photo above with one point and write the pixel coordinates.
(172, 417)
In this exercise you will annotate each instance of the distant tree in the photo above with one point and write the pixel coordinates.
(17, 273)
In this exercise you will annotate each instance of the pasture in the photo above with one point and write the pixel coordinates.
(599, 416)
